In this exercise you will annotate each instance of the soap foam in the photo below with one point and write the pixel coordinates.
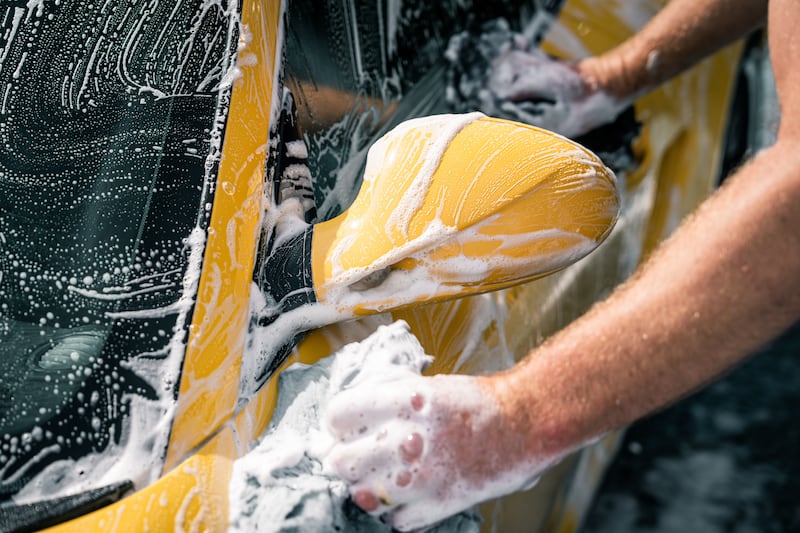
(281, 484)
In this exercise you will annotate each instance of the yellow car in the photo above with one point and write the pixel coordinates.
(152, 155)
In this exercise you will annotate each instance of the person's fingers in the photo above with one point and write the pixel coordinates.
(373, 498)
(367, 500)
(521, 76)
(355, 412)
(348, 422)
(383, 494)
(421, 514)
(408, 518)
(389, 467)
(369, 456)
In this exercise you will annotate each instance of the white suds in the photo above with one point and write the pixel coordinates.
(281, 485)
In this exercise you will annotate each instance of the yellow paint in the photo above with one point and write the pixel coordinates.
(188, 499)
(689, 164)
(446, 329)
(210, 376)
(505, 182)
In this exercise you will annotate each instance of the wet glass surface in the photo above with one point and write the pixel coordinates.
(107, 117)
(358, 68)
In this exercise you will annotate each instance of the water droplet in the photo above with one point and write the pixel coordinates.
(412, 448)
(417, 401)
(403, 478)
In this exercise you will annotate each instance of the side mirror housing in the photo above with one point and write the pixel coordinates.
(453, 205)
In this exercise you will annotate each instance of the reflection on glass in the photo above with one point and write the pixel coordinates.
(106, 119)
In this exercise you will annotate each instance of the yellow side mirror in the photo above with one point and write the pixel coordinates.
(450, 205)
(453, 205)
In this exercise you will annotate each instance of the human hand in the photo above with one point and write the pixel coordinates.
(563, 97)
(419, 449)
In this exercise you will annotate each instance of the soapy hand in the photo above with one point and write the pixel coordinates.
(419, 449)
(530, 87)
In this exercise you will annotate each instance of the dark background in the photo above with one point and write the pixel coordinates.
(726, 459)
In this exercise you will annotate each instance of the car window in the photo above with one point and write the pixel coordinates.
(107, 128)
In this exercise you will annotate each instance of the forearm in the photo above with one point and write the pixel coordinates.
(724, 284)
(683, 33)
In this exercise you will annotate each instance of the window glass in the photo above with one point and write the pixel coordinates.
(107, 114)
